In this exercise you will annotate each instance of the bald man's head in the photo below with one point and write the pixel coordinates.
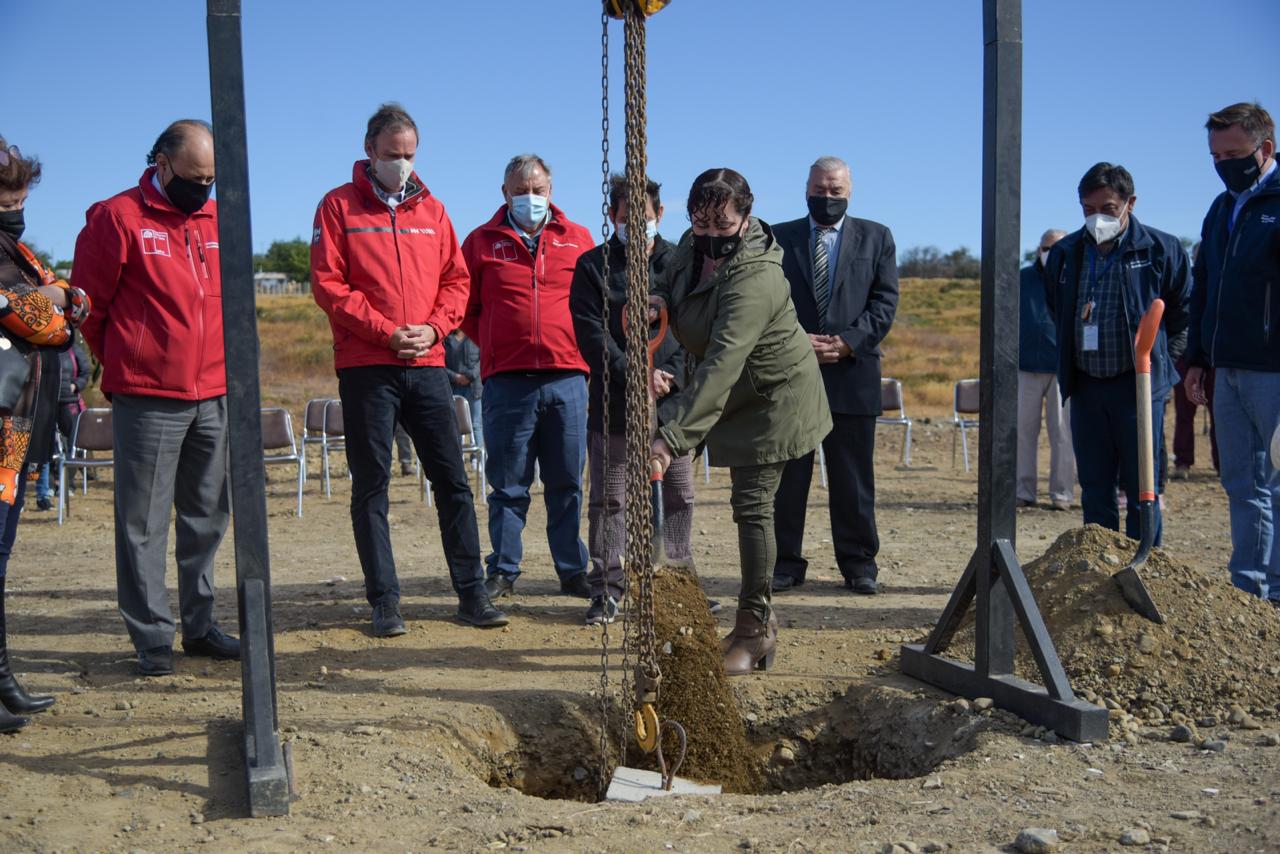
(183, 157)
(1047, 240)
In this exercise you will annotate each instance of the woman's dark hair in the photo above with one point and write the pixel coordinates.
(1253, 120)
(1111, 176)
(174, 137)
(618, 192)
(18, 172)
(390, 116)
(714, 188)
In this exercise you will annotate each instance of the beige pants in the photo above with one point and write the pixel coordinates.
(1038, 397)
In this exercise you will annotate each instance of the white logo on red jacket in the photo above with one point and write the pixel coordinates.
(504, 250)
(555, 242)
(155, 242)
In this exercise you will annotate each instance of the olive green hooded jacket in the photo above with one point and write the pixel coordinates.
(756, 396)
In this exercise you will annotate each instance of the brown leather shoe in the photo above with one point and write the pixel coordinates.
(751, 645)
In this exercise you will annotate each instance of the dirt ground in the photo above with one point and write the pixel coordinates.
(432, 740)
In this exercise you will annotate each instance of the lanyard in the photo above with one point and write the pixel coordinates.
(1093, 273)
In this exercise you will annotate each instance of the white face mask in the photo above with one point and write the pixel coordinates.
(1103, 227)
(1044, 257)
(392, 173)
(650, 230)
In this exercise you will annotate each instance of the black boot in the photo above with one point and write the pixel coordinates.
(10, 722)
(12, 696)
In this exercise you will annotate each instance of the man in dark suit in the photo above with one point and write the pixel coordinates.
(844, 283)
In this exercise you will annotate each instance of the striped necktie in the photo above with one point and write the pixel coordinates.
(821, 276)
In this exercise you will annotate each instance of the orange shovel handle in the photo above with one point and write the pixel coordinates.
(1146, 338)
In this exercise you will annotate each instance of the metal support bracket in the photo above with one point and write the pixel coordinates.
(266, 774)
(993, 581)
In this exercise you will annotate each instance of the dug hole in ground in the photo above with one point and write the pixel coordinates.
(451, 738)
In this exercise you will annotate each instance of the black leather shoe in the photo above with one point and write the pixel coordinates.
(387, 622)
(216, 644)
(576, 585)
(499, 584)
(783, 583)
(157, 661)
(862, 585)
(10, 722)
(479, 612)
(12, 695)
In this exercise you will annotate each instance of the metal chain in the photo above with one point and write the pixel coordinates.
(639, 434)
(605, 381)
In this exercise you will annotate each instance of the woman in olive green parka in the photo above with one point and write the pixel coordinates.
(756, 397)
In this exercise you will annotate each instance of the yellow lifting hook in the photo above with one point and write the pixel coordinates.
(647, 8)
(647, 729)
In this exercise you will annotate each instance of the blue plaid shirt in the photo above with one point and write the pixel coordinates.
(1103, 286)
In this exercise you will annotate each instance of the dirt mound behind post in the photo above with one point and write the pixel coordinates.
(1217, 655)
(695, 691)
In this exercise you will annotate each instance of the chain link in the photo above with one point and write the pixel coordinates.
(640, 426)
(605, 381)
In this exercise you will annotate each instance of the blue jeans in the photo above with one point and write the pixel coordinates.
(542, 418)
(44, 488)
(1104, 435)
(9, 516)
(1246, 410)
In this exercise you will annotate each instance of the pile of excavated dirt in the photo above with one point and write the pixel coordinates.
(1214, 660)
(695, 691)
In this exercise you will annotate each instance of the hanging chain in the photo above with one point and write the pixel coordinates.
(639, 434)
(605, 381)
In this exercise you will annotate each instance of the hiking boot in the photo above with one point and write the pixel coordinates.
(479, 612)
(603, 609)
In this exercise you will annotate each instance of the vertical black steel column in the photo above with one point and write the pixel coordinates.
(1001, 216)
(266, 776)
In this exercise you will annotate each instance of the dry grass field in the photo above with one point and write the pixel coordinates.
(934, 342)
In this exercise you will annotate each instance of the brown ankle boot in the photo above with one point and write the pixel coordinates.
(751, 645)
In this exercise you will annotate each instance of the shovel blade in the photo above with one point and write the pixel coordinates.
(1136, 594)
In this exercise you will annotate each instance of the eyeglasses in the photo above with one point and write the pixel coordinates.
(11, 154)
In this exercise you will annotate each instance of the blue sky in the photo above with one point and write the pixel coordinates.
(764, 87)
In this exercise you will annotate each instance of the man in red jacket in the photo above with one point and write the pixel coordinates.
(386, 268)
(148, 258)
(535, 386)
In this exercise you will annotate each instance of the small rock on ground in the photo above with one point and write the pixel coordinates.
(1036, 840)
(1135, 836)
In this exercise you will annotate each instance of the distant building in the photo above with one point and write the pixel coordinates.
(271, 283)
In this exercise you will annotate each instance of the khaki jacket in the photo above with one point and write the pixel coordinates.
(756, 396)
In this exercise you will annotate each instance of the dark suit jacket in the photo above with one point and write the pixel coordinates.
(864, 299)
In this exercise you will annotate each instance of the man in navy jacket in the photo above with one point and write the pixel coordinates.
(1038, 388)
(1100, 281)
(1235, 329)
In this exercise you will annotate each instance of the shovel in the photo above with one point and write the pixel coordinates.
(1131, 585)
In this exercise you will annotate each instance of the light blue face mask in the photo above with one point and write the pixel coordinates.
(650, 230)
(529, 211)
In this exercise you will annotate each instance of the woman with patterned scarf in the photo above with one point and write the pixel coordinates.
(38, 316)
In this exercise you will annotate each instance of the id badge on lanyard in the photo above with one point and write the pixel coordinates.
(1090, 337)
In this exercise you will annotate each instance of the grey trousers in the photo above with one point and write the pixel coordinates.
(1037, 394)
(168, 454)
(606, 520)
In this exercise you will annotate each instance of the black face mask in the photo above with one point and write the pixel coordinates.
(716, 247)
(1239, 173)
(13, 223)
(827, 210)
(187, 196)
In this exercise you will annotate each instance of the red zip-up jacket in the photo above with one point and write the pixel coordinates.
(153, 275)
(518, 311)
(374, 270)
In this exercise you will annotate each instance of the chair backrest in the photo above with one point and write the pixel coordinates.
(277, 430)
(333, 424)
(968, 398)
(462, 412)
(891, 395)
(313, 418)
(92, 431)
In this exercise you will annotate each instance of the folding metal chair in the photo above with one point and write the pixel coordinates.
(891, 401)
(91, 433)
(277, 435)
(472, 451)
(334, 433)
(966, 404)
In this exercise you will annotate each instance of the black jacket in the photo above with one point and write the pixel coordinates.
(1235, 304)
(1037, 336)
(76, 370)
(864, 300)
(587, 306)
(1155, 265)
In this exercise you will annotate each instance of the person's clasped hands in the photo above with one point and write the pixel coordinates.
(412, 341)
